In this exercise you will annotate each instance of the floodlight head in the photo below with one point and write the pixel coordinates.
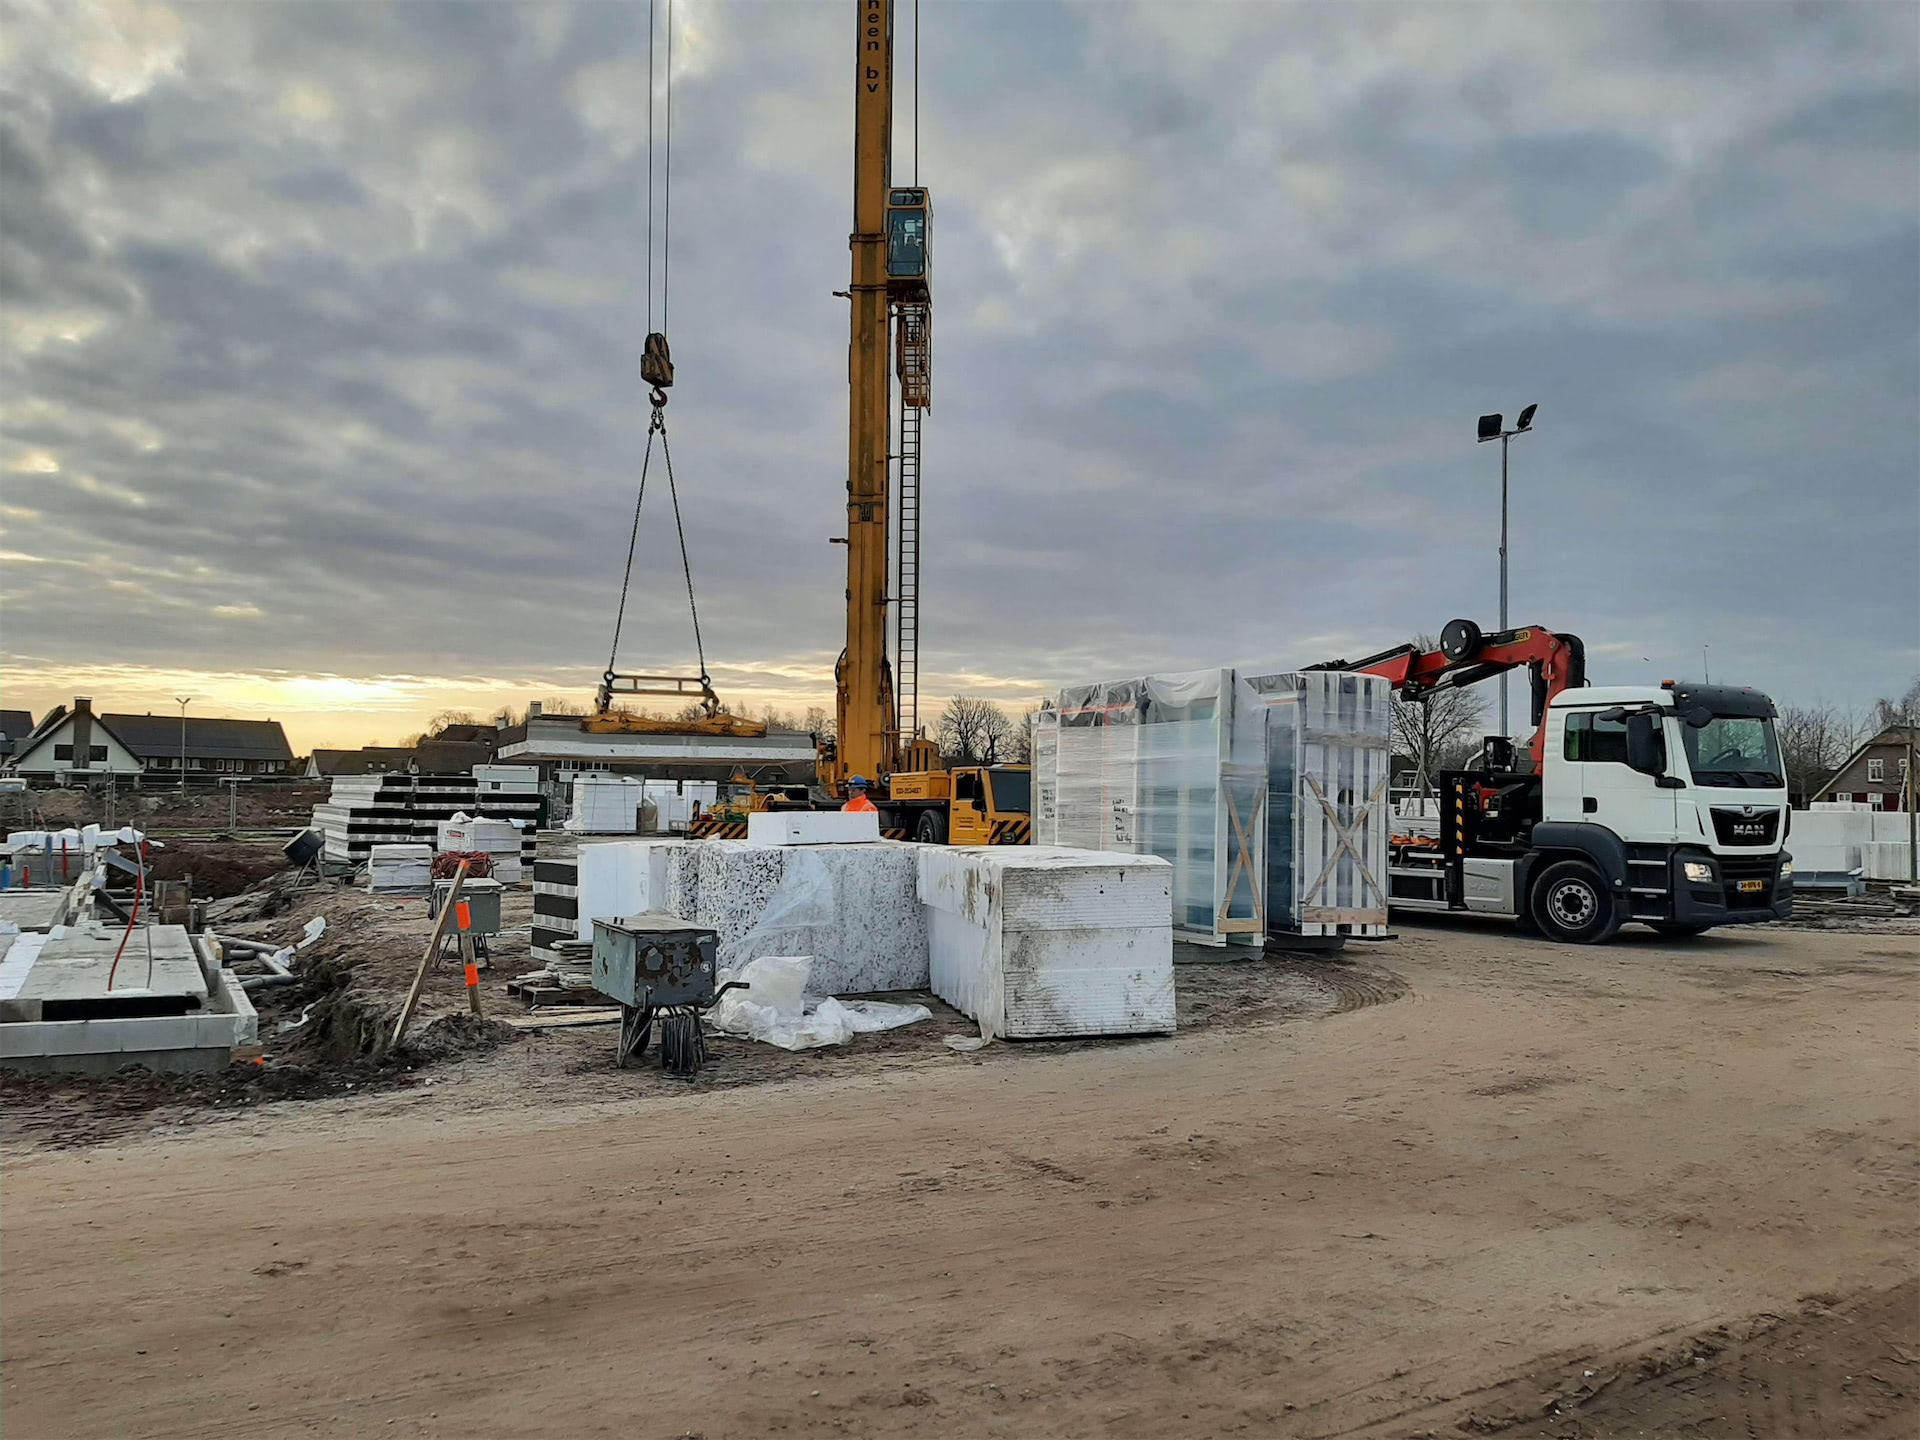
(1525, 422)
(1490, 427)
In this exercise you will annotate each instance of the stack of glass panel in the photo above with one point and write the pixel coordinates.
(1267, 794)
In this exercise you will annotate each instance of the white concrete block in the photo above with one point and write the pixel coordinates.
(1039, 941)
(814, 827)
(624, 877)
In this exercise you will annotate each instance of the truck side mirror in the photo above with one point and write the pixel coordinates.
(1643, 744)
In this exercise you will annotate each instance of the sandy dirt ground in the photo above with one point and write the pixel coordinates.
(1545, 1191)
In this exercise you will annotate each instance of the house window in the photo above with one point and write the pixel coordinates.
(63, 752)
(96, 752)
(1876, 770)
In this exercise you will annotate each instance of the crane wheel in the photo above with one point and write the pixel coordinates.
(1460, 640)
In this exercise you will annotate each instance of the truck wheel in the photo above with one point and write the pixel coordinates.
(1675, 931)
(1570, 903)
(931, 828)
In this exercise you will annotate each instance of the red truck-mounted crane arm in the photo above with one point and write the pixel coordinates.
(1555, 662)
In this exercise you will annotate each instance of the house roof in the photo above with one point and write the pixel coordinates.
(466, 734)
(208, 737)
(433, 757)
(53, 722)
(370, 760)
(15, 726)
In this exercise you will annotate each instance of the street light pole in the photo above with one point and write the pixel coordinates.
(1492, 427)
(1506, 438)
(182, 700)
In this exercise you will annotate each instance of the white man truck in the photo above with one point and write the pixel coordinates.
(1660, 805)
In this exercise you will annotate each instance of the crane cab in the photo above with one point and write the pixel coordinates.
(909, 216)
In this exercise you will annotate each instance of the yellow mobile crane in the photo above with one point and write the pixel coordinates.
(878, 734)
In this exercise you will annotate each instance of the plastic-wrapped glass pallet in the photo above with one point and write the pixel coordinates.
(1266, 793)
(1148, 766)
(1325, 736)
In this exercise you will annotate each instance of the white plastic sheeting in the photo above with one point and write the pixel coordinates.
(774, 1008)
(1147, 766)
(1038, 941)
(1267, 794)
(1325, 735)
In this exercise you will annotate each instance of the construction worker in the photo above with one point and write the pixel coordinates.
(857, 795)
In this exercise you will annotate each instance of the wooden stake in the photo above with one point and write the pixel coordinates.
(426, 960)
(470, 970)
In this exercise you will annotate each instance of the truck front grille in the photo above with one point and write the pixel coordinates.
(1731, 827)
(1736, 868)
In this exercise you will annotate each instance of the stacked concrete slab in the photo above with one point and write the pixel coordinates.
(362, 811)
(1044, 941)
(400, 869)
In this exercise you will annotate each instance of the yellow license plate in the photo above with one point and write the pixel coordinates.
(1752, 887)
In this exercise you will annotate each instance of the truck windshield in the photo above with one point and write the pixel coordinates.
(1012, 790)
(1733, 750)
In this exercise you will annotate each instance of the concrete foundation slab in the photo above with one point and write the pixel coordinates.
(33, 909)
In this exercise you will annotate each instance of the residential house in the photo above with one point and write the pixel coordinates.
(74, 744)
(1876, 773)
(15, 726)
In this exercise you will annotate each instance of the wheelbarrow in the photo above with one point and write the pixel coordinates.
(659, 967)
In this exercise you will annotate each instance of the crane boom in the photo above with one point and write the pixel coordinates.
(1555, 662)
(863, 687)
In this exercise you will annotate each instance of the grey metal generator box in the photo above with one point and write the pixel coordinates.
(483, 903)
(654, 960)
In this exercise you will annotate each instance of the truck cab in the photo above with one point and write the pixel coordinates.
(1665, 806)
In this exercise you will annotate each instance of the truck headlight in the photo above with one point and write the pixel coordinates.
(1786, 867)
(1698, 872)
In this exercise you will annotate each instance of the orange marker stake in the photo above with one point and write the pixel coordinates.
(473, 986)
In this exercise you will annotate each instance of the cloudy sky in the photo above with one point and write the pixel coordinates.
(319, 391)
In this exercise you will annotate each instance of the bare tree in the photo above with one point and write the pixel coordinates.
(1815, 741)
(1889, 712)
(969, 728)
(1023, 736)
(996, 737)
(820, 722)
(1441, 731)
(445, 718)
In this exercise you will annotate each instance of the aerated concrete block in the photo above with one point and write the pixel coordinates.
(854, 908)
(1044, 941)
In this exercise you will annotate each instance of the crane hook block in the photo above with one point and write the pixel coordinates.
(656, 362)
